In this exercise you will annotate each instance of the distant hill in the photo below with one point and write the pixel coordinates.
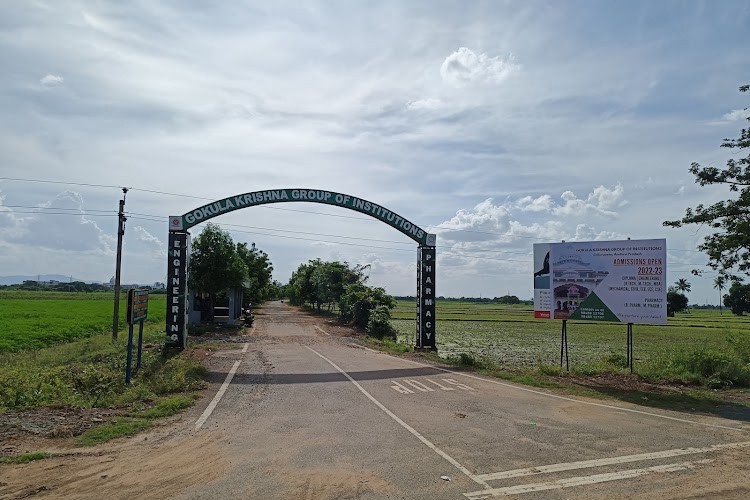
(15, 280)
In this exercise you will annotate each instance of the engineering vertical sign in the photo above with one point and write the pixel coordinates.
(426, 298)
(177, 260)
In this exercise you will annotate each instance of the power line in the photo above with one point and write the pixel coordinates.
(166, 193)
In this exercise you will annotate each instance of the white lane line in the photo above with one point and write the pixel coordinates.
(321, 330)
(402, 423)
(584, 464)
(207, 412)
(583, 480)
(244, 348)
(564, 398)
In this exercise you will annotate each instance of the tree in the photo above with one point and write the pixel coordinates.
(682, 285)
(359, 301)
(215, 265)
(676, 302)
(738, 298)
(719, 283)
(257, 285)
(728, 249)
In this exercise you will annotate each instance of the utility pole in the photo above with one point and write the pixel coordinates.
(120, 233)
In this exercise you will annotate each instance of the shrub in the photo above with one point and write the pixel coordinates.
(379, 323)
(716, 368)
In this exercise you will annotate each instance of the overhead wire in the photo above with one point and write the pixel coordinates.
(166, 193)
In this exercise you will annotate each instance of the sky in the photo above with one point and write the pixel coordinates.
(494, 125)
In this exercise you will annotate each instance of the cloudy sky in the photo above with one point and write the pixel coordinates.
(494, 124)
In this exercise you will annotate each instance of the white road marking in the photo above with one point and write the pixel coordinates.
(244, 348)
(402, 423)
(400, 388)
(321, 330)
(207, 412)
(584, 464)
(419, 385)
(583, 480)
(565, 398)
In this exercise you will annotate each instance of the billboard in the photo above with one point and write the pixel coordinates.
(621, 281)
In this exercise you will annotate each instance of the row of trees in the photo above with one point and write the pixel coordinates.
(338, 285)
(217, 264)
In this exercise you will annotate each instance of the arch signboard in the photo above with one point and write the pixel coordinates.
(179, 252)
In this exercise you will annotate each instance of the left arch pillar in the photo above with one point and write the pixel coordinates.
(178, 253)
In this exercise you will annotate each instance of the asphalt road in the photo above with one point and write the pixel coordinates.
(307, 414)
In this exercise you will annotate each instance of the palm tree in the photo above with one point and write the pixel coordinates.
(719, 283)
(682, 285)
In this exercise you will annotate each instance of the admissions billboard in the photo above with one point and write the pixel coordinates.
(620, 281)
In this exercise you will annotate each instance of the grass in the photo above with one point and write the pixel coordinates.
(25, 458)
(118, 427)
(137, 421)
(699, 348)
(32, 320)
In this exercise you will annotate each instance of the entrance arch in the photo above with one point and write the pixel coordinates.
(178, 252)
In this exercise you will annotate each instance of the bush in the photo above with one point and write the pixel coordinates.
(716, 368)
(379, 323)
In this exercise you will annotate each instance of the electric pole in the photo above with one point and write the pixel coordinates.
(120, 233)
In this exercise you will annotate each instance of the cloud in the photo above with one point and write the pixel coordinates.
(541, 204)
(429, 103)
(154, 245)
(464, 67)
(737, 115)
(51, 80)
(482, 222)
(600, 201)
(64, 229)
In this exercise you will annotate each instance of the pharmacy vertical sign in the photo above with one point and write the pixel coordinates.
(426, 298)
(177, 262)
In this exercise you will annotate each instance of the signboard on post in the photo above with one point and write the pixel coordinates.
(137, 312)
(137, 305)
(622, 281)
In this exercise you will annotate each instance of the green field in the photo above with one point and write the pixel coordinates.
(31, 320)
(510, 337)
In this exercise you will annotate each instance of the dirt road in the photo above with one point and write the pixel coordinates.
(297, 411)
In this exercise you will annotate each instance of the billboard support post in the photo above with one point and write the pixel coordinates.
(564, 345)
(630, 347)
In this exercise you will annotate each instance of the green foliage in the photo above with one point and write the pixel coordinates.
(738, 298)
(319, 282)
(728, 249)
(507, 299)
(676, 302)
(118, 427)
(682, 285)
(379, 323)
(336, 283)
(716, 368)
(258, 285)
(359, 301)
(167, 407)
(25, 458)
(465, 360)
(215, 265)
(91, 372)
